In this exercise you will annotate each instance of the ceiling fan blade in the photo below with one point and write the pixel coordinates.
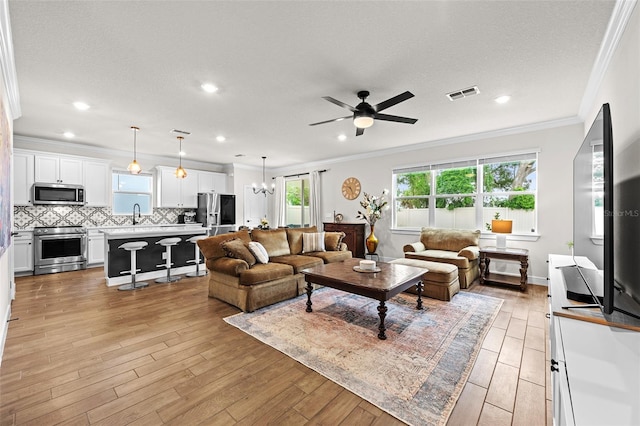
(337, 102)
(393, 101)
(359, 131)
(331, 121)
(387, 117)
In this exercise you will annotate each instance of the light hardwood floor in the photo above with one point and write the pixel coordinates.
(80, 353)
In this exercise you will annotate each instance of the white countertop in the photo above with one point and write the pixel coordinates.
(152, 230)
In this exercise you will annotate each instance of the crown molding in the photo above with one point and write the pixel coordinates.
(7, 61)
(85, 150)
(527, 128)
(619, 18)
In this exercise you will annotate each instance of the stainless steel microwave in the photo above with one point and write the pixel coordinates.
(57, 194)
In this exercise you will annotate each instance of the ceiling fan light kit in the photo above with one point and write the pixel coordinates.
(364, 115)
(363, 121)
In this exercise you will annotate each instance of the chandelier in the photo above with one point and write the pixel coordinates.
(181, 173)
(263, 189)
(134, 168)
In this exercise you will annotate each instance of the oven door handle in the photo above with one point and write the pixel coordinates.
(61, 236)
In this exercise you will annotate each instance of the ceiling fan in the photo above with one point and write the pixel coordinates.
(364, 114)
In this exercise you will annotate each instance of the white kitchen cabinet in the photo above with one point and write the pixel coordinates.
(97, 183)
(176, 193)
(212, 182)
(58, 169)
(595, 360)
(23, 252)
(95, 248)
(23, 178)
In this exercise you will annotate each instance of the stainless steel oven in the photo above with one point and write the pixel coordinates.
(59, 249)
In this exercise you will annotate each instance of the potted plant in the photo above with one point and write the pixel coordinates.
(501, 226)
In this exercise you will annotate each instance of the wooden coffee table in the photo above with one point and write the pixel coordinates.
(389, 282)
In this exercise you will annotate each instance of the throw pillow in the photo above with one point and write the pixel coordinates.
(259, 252)
(313, 242)
(332, 240)
(235, 248)
(274, 241)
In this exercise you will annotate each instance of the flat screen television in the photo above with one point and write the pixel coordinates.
(606, 228)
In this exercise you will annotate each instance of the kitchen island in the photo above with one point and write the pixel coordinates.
(150, 260)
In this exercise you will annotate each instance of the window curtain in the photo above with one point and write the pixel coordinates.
(279, 202)
(315, 196)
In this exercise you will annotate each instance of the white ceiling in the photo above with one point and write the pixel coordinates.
(141, 63)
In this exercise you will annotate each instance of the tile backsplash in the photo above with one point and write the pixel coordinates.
(30, 216)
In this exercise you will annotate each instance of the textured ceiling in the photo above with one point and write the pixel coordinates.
(141, 63)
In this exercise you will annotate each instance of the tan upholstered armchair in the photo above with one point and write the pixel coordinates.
(459, 247)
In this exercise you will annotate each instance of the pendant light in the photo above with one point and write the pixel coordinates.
(181, 173)
(263, 189)
(134, 168)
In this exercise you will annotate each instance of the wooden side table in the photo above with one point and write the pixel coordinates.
(512, 254)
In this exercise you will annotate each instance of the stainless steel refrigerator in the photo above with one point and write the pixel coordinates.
(217, 212)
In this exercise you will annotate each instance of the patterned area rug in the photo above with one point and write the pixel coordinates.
(416, 375)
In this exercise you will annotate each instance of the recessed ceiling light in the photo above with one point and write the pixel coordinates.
(221, 138)
(342, 137)
(69, 135)
(502, 99)
(82, 106)
(209, 88)
(182, 153)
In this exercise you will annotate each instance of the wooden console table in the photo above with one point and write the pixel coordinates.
(354, 235)
(512, 254)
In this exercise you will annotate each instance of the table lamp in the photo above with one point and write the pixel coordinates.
(501, 228)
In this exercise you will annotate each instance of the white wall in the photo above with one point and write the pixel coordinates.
(245, 175)
(621, 89)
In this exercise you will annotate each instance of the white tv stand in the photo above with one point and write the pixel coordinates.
(595, 361)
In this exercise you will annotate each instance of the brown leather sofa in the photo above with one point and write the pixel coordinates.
(459, 247)
(250, 286)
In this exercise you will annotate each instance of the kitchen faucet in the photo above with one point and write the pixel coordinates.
(134, 214)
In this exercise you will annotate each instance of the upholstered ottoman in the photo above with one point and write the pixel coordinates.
(440, 282)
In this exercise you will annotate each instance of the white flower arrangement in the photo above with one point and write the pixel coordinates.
(373, 207)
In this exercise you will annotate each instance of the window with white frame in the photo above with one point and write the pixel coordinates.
(297, 202)
(129, 190)
(468, 194)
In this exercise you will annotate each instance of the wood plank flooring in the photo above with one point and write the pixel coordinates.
(80, 353)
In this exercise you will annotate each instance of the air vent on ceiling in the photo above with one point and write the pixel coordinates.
(239, 155)
(459, 94)
(180, 132)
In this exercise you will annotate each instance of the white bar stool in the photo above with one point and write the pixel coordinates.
(168, 243)
(196, 259)
(133, 248)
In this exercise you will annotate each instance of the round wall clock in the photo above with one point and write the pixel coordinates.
(351, 188)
